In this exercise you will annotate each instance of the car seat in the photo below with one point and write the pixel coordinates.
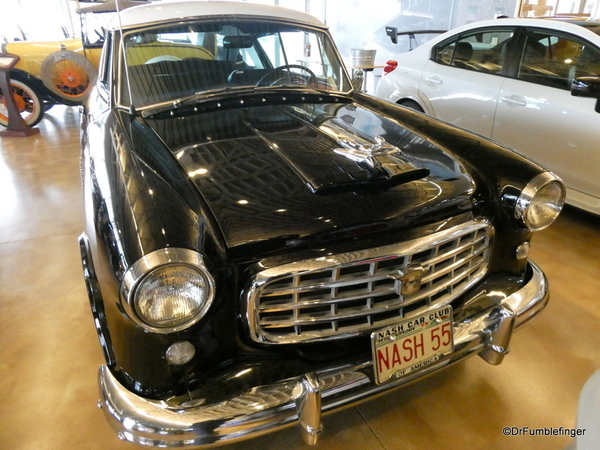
(463, 53)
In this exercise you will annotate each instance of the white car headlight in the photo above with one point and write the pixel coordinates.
(168, 290)
(541, 201)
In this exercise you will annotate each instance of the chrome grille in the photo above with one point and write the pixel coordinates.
(346, 294)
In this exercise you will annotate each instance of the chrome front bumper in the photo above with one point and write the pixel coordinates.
(302, 400)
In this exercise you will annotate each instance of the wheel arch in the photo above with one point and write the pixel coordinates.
(411, 102)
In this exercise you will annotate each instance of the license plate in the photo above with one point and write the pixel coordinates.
(412, 344)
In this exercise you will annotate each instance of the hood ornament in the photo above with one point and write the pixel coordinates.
(359, 151)
(380, 165)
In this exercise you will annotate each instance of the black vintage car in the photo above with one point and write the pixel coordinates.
(264, 243)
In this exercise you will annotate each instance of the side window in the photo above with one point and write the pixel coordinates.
(443, 53)
(555, 60)
(588, 63)
(483, 51)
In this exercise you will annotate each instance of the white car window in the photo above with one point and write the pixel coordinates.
(555, 60)
(482, 51)
(588, 63)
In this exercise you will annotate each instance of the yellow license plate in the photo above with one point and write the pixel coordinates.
(412, 344)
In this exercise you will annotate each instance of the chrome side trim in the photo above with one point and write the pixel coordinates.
(268, 408)
(95, 299)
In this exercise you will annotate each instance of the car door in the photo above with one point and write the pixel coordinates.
(461, 83)
(538, 116)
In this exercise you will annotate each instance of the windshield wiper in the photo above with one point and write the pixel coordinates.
(215, 95)
(191, 99)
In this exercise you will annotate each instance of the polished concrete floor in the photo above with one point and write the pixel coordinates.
(49, 352)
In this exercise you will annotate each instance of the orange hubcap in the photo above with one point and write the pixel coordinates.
(70, 78)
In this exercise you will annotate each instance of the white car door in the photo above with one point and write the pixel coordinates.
(538, 116)
(461, 85)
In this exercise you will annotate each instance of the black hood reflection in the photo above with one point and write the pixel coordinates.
(271, 173)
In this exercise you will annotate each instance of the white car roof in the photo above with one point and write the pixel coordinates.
(561, 25)
(167, 11)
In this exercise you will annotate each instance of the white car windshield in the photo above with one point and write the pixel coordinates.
(174, 62)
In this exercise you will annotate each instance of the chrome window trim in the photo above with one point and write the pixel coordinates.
(145, 265)
(332, 262)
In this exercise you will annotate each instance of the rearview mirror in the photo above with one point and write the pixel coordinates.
(238, 42)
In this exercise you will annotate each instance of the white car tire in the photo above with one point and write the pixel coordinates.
(411, 104)
(69, 75)
(27, 101)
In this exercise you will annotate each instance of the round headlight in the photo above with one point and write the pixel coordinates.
(171, 295)
(168, 290)
(541, 201)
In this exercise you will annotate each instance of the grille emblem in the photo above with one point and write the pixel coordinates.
(408, 281)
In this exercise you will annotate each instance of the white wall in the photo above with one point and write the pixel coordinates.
(38, 19)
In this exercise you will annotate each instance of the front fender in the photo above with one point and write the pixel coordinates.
(138, 200)
(497, 185)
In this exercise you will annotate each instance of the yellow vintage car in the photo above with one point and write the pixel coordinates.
(61, 71)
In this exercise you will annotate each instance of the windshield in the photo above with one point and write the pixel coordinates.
(177, 61)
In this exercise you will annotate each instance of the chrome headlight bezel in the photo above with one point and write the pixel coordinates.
(523, 207)
(146, 266)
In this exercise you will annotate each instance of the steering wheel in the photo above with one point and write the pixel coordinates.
(283, 72)
(100, 35)
(162, 58)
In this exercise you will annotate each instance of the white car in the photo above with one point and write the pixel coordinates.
(531, 84)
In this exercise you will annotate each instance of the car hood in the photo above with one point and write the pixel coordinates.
(283, 175)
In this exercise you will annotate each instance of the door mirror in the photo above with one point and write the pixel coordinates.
(587, 87)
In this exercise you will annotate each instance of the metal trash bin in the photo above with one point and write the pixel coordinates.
(362, 58)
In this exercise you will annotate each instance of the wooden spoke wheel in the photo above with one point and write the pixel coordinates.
(69, 75)
(27, 101)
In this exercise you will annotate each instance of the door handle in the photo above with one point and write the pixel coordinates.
(434, 79)
(514, 100)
